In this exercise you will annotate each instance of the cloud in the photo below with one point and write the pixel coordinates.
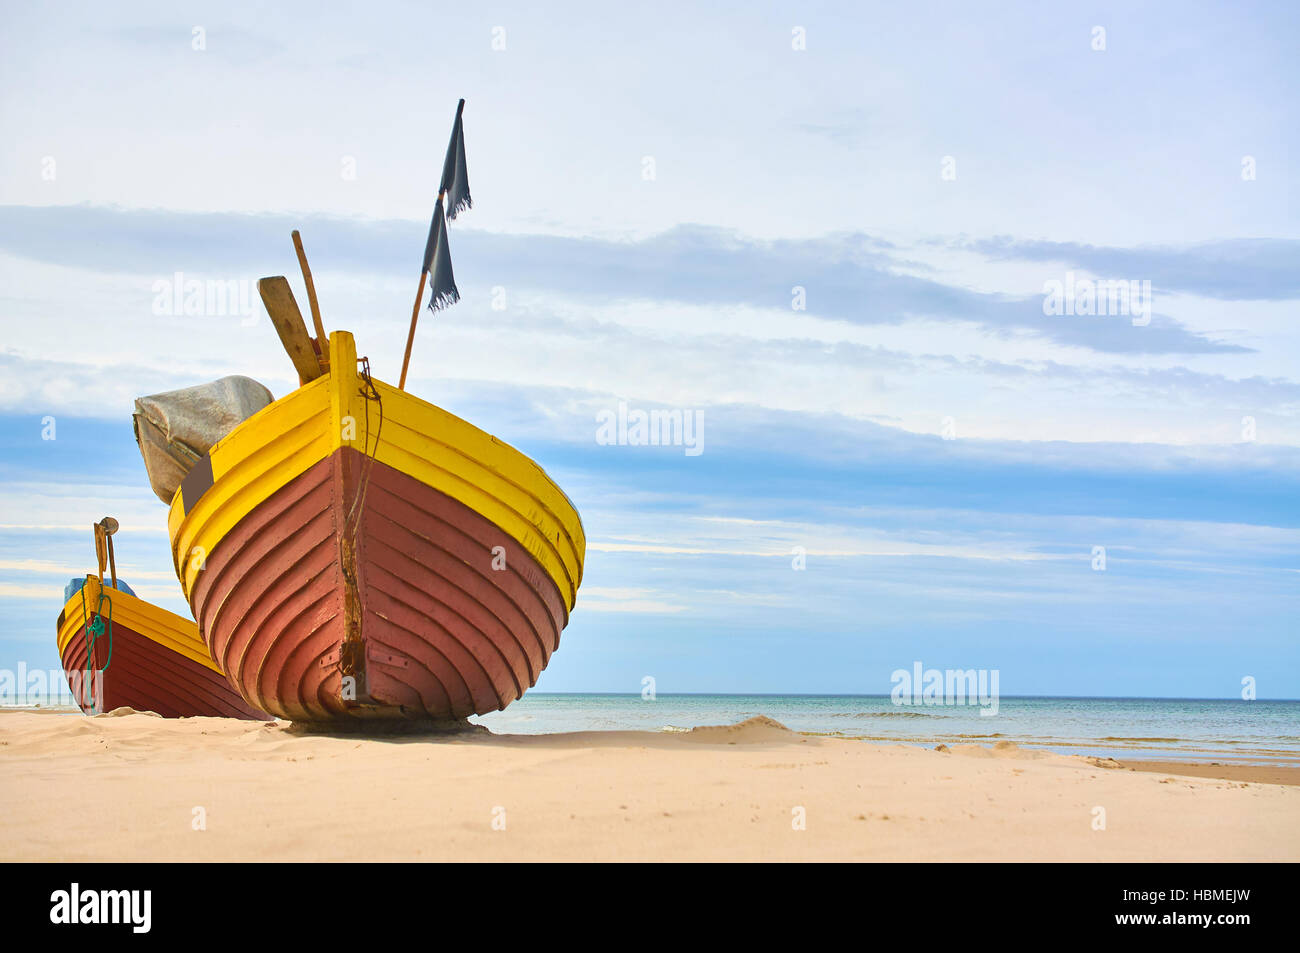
(846, 128)
(851, 277)
(1244, 269)
(630, 600)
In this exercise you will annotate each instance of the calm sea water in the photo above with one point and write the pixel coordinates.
(1229, 731)
(1224, 730)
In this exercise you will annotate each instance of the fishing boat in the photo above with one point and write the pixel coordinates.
(352, 550)
(120, 651)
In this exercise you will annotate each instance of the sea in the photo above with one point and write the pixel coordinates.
(1228, 731)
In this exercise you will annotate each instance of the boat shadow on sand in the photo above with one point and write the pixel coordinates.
(414, 729)
(757, 730)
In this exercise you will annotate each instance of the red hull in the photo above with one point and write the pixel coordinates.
(421, 622)
(149, 677)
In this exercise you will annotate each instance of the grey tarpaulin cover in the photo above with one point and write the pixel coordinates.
(178, 427)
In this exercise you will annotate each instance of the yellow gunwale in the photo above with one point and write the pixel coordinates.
(285, 439)
(168, 629)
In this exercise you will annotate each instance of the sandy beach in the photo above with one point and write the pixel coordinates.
(133, 786)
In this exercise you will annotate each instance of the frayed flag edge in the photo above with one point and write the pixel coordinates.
(444, 300)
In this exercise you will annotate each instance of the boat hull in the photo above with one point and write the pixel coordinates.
(158, 661)
(348, 561)
(447, 616)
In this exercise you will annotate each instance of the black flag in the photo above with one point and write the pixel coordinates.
(437, 262)
(455, 180)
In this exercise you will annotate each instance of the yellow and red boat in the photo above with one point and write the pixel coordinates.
(351, 550)
(120, 651)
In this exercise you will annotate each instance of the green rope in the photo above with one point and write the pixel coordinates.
(94, 629)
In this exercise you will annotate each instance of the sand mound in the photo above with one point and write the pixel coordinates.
(1110, 764)
(754, 730)
(1002, 749)
(124, 711)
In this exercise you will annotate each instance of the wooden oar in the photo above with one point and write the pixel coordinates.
(283, 311)
(321, 337)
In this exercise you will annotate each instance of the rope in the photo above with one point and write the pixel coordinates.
(94, 629)
(370, 393)
(347, 538)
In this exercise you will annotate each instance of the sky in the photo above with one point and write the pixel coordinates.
(825, 233)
